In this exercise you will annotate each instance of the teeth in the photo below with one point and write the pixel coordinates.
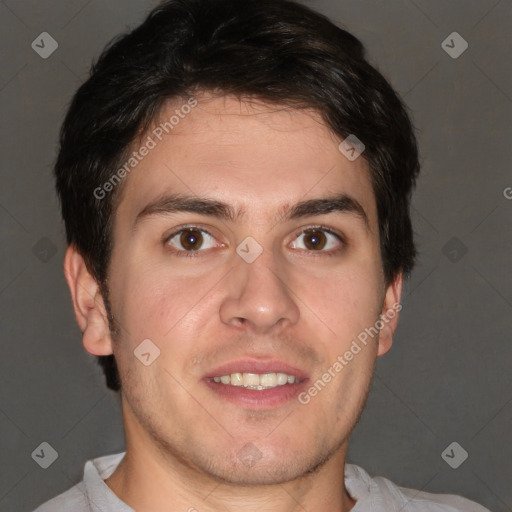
(282, 378)
(236, 379)
(268, 380)
(256, 381)
(250, 379)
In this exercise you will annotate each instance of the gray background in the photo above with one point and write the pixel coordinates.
(447, 377)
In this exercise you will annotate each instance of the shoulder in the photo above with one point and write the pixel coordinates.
(421, 501)
(91, 494)
(380, 494)
(72, 500)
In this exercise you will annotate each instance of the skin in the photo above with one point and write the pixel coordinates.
(294, 303)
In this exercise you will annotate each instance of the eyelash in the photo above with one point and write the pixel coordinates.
(196, 254)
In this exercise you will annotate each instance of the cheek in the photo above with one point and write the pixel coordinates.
(153, 307)
(157, 304)
(346, 301)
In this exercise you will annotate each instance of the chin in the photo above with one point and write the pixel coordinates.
(252, 466)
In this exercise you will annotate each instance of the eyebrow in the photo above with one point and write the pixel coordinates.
(176, 203)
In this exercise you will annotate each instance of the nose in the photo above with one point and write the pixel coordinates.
(259, 296)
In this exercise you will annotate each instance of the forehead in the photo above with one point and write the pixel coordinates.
(257, 157)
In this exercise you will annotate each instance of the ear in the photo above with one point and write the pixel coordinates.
(88, 304)
(389, 314)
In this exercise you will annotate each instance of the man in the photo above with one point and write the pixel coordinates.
(235, 182)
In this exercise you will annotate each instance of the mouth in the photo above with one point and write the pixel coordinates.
(256, 384)
(257, 381)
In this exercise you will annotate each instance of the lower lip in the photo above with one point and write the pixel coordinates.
(257, 399)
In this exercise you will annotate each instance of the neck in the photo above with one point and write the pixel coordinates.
(148, 484)
(151, 478)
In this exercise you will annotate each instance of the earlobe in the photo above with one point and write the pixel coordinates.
(389, 315)
(88, 304)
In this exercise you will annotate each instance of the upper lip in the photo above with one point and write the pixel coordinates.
(256, 366)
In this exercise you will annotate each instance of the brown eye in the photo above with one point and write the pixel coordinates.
(191, 239)
(321, 240)
(314, 239)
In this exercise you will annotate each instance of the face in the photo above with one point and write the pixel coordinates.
(246, 248)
